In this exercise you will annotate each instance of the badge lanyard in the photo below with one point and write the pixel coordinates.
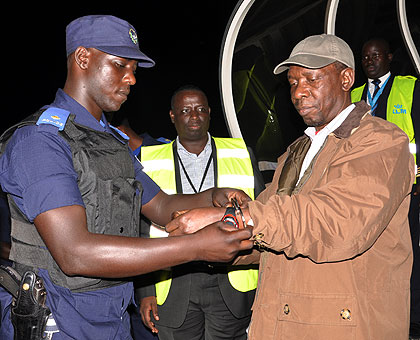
(373, 102)
(204, 174)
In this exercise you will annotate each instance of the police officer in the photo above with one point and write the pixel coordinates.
(76, 191)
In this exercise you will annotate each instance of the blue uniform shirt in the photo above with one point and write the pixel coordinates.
(37, 169)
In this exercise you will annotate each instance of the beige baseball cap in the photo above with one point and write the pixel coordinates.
(318, 51)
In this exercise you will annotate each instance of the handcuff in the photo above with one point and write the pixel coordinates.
(234, 215)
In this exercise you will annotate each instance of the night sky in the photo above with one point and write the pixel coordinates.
(183, 37)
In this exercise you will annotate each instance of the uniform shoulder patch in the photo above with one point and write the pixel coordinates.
(54, 116)
(163, 140)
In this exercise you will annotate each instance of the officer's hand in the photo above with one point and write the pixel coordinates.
(220, 242)
(190, 221)
(221, 197)
(148, 305)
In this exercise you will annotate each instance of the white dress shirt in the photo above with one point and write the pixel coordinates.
(382, 79)
(318, 139)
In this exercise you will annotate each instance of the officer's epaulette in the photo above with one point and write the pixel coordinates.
(163, 140)
(54, 116)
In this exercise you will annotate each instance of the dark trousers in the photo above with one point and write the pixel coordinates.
(208, 316)
(415, 275)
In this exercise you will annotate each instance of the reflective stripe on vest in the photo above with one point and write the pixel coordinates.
(234, 170)
(158, 163)
(356, 94)
(399, 104)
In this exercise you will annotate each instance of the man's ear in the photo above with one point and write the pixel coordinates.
(347, 79)
(81, 57)
(171, 114)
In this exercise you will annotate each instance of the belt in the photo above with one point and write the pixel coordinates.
(10, 280)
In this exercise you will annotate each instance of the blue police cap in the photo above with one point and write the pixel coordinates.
(108, 34)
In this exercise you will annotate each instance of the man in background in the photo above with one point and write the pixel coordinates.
(200, 300)
(396, 98)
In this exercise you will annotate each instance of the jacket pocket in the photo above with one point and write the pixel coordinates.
(324, 316)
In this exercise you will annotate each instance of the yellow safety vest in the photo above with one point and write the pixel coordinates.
(234, 170)
(399, 104)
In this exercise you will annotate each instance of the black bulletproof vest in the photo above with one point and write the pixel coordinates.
(108, 187)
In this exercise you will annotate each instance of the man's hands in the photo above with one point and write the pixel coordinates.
(213, 240)
(149, 305)
(221, 197)
(193, 220)
(220, 242)
(217, 242)
(189, 221)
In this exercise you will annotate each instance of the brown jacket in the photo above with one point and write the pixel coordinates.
(339, 258)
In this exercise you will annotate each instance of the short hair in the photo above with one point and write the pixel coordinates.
(188, 87)
(339, 66)
(381, 41)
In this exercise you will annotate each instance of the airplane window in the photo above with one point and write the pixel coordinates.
(267, 119)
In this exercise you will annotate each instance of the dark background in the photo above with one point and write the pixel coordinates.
(183, 37)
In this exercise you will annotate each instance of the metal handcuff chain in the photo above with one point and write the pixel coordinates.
(258, 238)
(239, 214)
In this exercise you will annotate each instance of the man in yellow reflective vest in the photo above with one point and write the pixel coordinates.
(199, 300)
(397, 99)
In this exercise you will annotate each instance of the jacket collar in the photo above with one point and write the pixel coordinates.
(353, 120)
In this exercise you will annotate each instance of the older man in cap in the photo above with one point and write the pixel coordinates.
(332, 229)
(76, 191)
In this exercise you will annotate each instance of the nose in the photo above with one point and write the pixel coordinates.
(194, 114)
(300, 90)
(130, 78)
